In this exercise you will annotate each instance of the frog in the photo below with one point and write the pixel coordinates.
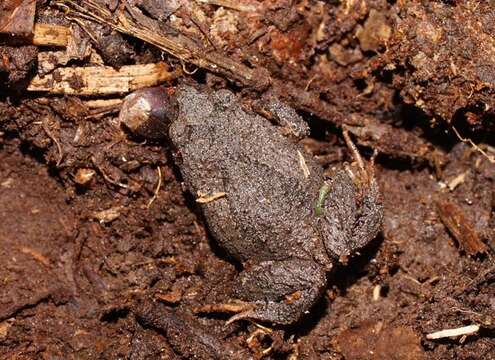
(267, 203)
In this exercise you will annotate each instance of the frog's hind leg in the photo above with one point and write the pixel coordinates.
(279, 292)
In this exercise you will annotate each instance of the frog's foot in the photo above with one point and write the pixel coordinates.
(279, 292)
(351, 214)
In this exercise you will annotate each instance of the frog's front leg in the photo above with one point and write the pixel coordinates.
(279, 292)
(290, 123)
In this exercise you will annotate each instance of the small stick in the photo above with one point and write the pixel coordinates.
(355, 152)
(102, 80)
(36, 255)
(471, 142)
(205, 198)
(158, 185)
(466, 330)
(303, 165)
(106, 177)
(232, 307)
(376, 292)
(45, 127)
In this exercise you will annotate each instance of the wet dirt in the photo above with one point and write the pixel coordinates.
(105, 255)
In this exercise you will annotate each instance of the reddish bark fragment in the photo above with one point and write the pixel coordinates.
(460, 227)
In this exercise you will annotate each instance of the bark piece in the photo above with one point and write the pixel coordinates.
(102, 80)
(51, 35)
(460, 227)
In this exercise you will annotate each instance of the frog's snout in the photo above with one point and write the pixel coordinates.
(149, 112)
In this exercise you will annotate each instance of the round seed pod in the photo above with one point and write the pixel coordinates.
(149, 112)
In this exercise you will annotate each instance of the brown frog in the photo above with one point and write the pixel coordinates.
(266, 203)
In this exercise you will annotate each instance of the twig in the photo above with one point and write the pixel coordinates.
(103, 103)
(205, 198)
(306, 88)
(131, 21)
(303, 165)
(476, 147)
(456, 181)
(45, 127)
(106, 177)
(377, 292)
(466, 330)
(158, 185)
(103, 80)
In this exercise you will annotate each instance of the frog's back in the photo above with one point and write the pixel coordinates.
(270, 186)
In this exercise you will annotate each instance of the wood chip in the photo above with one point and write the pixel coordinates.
(4, 328)
(458, 180)
(172, 297)
(76, 47)
(460, 227)
(206, 198)
(377, 292)
(466, 330)
(51, 35)
(102, 80)
(303, 165)
(36, 255)
(106, 216)
(84, 176)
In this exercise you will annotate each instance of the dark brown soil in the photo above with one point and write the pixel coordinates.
(114, 269)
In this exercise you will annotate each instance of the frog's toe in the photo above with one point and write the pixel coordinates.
(275, 313)
(245, 315)
(278, 313)
(279, 292)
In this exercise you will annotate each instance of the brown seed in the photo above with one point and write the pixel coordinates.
(149, 112)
